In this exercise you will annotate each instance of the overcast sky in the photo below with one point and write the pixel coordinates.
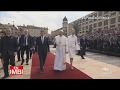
(50, 19)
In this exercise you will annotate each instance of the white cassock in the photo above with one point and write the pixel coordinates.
(72, 44)
(61, 49)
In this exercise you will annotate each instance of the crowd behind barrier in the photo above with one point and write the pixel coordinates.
(103, 41)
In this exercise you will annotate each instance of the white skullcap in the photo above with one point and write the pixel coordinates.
(73, 30)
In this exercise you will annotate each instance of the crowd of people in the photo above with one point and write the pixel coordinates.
(103, 41)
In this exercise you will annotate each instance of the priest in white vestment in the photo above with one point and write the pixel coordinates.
(61, 50)
(72, 46)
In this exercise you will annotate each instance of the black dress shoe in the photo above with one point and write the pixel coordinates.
(4, 77)
(83, 58)
(27, 64)
(56, 70)
(22, 63)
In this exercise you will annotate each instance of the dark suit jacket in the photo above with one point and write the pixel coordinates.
(8, 45)
(21, 41)
(42, 48)
(33, 41)
(17, 41)
(82, 43)
(0, 42)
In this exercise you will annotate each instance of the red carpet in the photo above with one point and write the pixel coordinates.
(49, 73)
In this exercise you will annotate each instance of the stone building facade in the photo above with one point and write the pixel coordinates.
(97, 20)
(14, 29)
(33, 30)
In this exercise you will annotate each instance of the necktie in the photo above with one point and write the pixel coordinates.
(18, 40)
(42, 39)
(25, 40)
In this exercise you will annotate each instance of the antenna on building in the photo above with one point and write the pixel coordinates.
(13, 23)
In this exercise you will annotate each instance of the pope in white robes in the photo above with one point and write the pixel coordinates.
(61, 50)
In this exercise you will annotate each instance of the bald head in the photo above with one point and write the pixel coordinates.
(8, 32)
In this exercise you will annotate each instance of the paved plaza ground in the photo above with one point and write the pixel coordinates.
(97, 66)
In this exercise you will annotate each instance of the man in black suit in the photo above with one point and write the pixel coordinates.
(3, 34)
(31, 50)
(0, 55)
(25, 43)
(8, 50)
(42, 47)
(82, 47)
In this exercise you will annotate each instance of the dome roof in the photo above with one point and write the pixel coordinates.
(65, 19)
